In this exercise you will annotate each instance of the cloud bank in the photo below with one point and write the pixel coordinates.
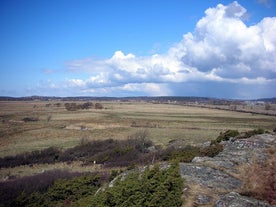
(222, 57)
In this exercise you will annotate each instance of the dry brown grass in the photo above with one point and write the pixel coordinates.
(260, 178)
(26, 170)
(260, 108)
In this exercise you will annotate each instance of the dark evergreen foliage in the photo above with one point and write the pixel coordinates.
(155, 187)
(225, 136)
(62, 191)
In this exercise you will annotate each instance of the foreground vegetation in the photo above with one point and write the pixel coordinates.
(151, 187)
(108, 138)
(137, 150)
(259, 178)
(154, 187)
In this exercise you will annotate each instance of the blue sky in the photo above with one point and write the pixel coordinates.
(223, 49)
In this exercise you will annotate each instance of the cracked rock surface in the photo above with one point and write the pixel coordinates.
(216, 178)
(208, 177)
(236, 200)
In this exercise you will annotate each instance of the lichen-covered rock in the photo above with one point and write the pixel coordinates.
(215, 175)
(236, 200)
(240, 151)
(208, 177)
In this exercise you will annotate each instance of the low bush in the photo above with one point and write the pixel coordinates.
(225, 136)
(188, 153)
(30, 119)
(88, 151)
(98, 106)
(11, 189)
(185, 154)
(75, 106)
(251, 133)
(211, 150)
(140, 141)
(61, 192)
(48, 155)
(109, 152)
(154, 187)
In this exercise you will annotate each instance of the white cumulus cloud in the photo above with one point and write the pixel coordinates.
(221, 49)
(222, 40)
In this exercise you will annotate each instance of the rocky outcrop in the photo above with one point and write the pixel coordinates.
(208, 177)
(236, 200)
(217, 177)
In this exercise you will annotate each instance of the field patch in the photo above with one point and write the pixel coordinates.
(89, 126)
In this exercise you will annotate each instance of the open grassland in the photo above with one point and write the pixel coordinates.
(48, 147)
(50, 124)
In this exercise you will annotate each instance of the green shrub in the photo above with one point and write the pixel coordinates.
(225, 136)
(211, 150)
(25, 186)
(252, 133)
(113, 174)
(185, 154)
(63, 191)
(154, 187)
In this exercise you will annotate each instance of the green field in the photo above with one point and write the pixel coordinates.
(55, 126)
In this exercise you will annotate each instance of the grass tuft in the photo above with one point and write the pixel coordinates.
(259, 179)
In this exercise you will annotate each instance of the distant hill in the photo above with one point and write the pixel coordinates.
(271, 100)
(157, 99)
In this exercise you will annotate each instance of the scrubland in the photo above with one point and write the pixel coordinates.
(51, 124)
(106, 138)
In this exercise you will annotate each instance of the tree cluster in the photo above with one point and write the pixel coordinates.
(86, 105)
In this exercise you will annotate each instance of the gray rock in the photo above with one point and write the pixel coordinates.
(236, 200)
(206, 144)
(203, 199)
(216, 161)
(208, 177)
(239, 151)
(215, 173)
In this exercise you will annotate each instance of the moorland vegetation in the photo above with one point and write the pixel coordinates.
(123, 143)
(151, 186)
